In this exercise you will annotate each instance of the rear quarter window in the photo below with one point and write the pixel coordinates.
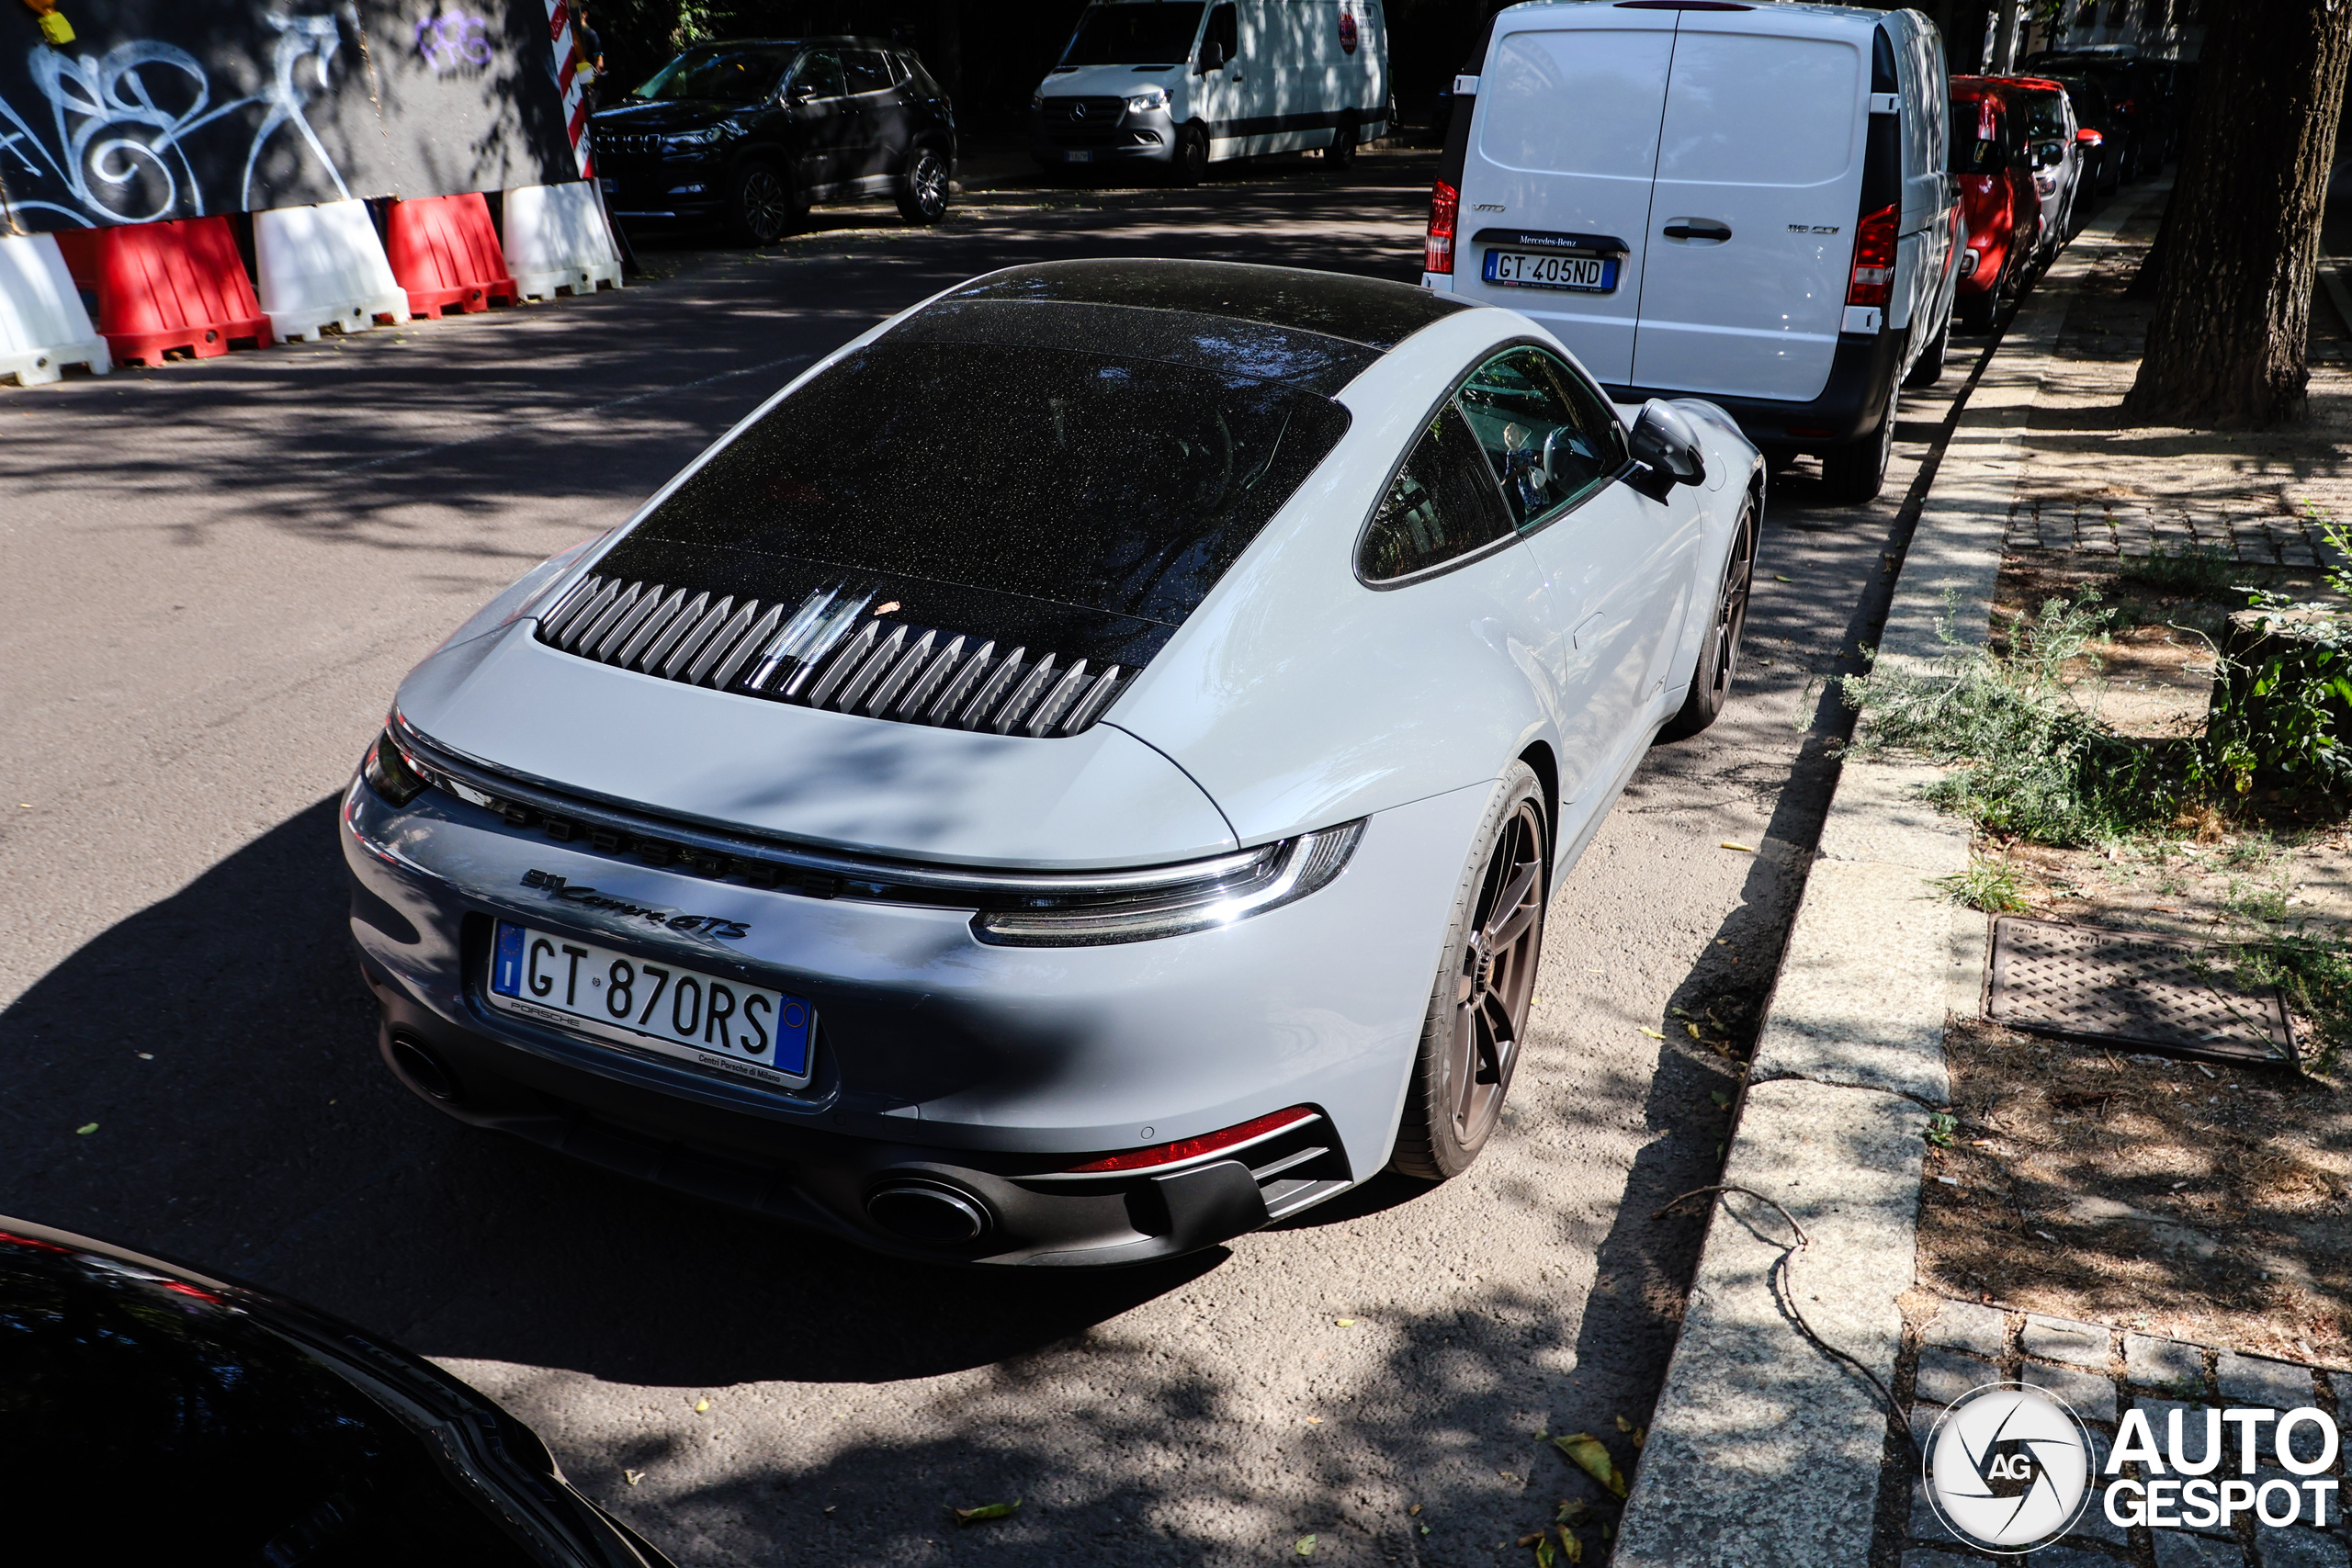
(1575, 103)
(1761, 111)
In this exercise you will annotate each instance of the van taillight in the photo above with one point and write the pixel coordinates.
(1873, 281)
(1445, 207)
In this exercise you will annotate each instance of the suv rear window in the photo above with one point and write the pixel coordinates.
(1110, 482)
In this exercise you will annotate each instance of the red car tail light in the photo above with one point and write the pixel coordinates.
(1873, 281)
(1192, 1148)
(1445, 207)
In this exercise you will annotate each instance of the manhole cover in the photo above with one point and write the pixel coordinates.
(2156, 993)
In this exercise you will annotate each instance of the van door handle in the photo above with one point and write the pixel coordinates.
(1704, 230)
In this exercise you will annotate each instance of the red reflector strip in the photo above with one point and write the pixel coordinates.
(1192, 1148)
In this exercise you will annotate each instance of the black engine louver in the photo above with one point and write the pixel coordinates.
(831, 651)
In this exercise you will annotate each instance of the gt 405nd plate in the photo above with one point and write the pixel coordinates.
(723, 1026)
(1579, 275)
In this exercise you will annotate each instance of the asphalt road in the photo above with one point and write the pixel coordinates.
(215, 573)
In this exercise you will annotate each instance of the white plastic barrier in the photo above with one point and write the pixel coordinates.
(323, 267)
(556, 239)
(43, 327)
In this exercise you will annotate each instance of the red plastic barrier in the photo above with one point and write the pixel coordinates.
(446, 253)
(165, 286)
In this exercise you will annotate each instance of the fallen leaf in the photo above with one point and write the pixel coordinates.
(986, 1511)
(1743, 849)
(1778, 578)
(1641, 1436)
(633, 1476)
(1572, 1511)
(1425, 1530)
(1545, 1556)
(1571, 1548)
(1306, 1547)
(1344, 1322)
(1623, 1425)
(1654, 1034)
(1411, 1511)
(830, 1506)
(1530, 1539)
(86, 1129)
(701, 1406)
(1694, 1031)
(1314, 1420)
(1588, 1454)
(1720, 1098)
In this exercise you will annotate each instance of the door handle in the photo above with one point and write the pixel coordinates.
(1707, 231)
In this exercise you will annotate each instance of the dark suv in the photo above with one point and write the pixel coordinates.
(749, 132)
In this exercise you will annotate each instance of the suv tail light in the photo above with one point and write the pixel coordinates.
(1873, 281)
(1445, 207)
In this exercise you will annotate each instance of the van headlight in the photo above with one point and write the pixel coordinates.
(1279, 873)
(1148, 100)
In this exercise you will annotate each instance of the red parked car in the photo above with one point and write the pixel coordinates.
(1993, 161)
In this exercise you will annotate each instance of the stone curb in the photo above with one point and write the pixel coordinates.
(1764, 1448)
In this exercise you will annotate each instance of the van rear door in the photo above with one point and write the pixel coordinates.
(1752, 231)
(1558, 172)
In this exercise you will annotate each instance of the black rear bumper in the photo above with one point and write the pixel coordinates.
(1860, 385)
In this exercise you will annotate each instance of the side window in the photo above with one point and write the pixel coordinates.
(1549, 440)
(819, 77)
(1442, 505)
(865, 71)
(1224, 32)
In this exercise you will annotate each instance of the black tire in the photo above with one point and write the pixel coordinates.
(1852, 475)
(1929, 368)
(1780, 459)
(760, 207)
(1976, 311)
(1190, 164)
(1477, 1022)
(923, 187)
(1718, 664)
(1342, 154)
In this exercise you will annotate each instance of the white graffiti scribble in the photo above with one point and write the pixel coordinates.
(110, 123)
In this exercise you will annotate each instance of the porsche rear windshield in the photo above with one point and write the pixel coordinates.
(1114, 483)
(1159, 33)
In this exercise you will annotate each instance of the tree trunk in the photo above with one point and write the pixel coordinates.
(2005, 38)
(1965, 40)
(2228, 345)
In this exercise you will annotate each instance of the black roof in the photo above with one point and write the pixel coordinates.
(1318, 329)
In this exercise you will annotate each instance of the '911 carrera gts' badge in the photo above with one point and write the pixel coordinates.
(556, 887)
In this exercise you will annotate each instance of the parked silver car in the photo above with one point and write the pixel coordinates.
(1075, 775)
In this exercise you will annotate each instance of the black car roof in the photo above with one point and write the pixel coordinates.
(1318, 329)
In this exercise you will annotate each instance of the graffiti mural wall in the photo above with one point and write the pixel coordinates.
(177, 108)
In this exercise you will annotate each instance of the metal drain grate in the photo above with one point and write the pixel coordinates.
(2157, 993)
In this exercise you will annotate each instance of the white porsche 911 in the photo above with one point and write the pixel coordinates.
(1074, 776)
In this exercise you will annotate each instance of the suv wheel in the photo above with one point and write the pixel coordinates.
(760, 208)
(1854, 474)
(1342, 154)
(923, 188)
(1929, 368)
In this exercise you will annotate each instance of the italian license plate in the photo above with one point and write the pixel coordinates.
(723, 1026)
(1086, 157)
(1522, 269)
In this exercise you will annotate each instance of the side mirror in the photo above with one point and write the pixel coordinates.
(2089, 138)
(1663, 442)
(802, 93)
(1212, 59)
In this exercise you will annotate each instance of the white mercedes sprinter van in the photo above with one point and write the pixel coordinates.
(1746, 203)
(1180, 85)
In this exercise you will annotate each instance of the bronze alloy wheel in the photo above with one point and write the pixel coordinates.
(1719, 655)
(1478, 1019)
(761, 208)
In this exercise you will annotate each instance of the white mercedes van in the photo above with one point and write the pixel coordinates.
(1180, 85)
(1746, 203)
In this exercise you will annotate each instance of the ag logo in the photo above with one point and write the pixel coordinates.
(2008, 1467)
(1347, 32)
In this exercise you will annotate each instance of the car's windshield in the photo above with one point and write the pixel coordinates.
(1155, 34)
(727, 73)
(2044, 115)
(1112, 483)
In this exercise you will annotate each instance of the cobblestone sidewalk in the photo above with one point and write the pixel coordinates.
(2101, 1373)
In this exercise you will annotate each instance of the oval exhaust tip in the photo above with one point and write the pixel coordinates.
(934, 1216)
(424, 1069)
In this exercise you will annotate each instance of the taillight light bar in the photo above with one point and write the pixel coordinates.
(1194, 1148)
(1873, 280)
(1445, 210)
